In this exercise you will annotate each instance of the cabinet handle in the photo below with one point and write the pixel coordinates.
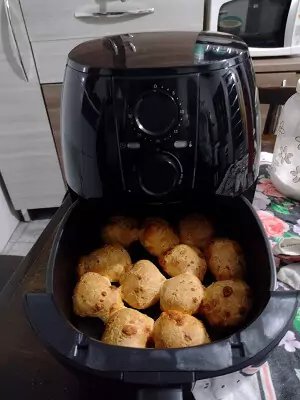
(14, 38)
(114, 14)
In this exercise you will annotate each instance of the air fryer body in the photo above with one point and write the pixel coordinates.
(149, 119)
(142, 116)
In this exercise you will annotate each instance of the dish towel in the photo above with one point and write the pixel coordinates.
(279, 378)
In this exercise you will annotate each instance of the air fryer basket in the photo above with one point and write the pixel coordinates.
(82, 235)
(77, 340)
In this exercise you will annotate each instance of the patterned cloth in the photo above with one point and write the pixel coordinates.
(280, 377)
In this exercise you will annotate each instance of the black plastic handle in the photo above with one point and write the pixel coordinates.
(166, 368)
(160, 394)
(51, 326)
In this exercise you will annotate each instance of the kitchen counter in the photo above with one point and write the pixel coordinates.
(278, 64)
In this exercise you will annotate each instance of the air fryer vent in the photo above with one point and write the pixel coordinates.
(234, 109)
(221, 113)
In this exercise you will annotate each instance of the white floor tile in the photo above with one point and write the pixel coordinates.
(7, 248)
(19, 249)
(32, 231)
(24, 237)
(18, 232)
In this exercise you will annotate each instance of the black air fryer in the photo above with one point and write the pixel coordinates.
(160, 124)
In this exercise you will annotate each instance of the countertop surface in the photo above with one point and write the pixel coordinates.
(276, 64)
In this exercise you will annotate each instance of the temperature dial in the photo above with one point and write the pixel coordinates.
(156, 113)
(159, 174)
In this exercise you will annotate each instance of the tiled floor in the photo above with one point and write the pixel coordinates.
(24, 237)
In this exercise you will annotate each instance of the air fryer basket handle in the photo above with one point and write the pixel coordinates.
(50, 325)
(160, 394)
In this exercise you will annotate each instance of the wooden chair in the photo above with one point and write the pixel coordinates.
(274, 97)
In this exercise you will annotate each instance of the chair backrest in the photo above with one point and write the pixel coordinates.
(274, 97)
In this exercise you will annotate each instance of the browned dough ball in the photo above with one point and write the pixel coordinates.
(141, 285)
(225, 259)
(109, 261)
(226, 303)
(121, 230)
(94, 296)
(174, 329)
(157, 236)
(183, 259)
(196, 230)
(84, 265)
(128, 328)
(183, 293)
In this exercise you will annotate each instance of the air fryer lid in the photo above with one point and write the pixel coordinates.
(159, 50)
(51, 313)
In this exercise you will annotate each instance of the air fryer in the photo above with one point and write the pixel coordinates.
(160, 124)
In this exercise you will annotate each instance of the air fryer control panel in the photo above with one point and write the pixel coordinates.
(146, 117)
(157, 125)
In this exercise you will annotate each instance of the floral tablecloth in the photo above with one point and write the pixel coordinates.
(281, 219)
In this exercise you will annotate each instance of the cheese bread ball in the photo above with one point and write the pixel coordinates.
(109, 261)
(225, 259)
(174, 329)
(84, 265)
(94, 296)
(141, 285)
(183, 293)
(196, 230)
(121, 230)
(226, 303)
(128, 328)
(183, 259)
(157, 236)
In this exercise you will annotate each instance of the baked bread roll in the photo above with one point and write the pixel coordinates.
(121, 230)
(226, 303)
(94, 296)
(141, 285)
(128, 328)
(157, 236)
(225, 259)
(109, 261)
(183, 293)
(196, 230)
(184, 259)
(84, 265)
(174, 329)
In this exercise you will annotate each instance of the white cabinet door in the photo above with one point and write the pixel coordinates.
(51, 58)
(28, 159)
(54, 19)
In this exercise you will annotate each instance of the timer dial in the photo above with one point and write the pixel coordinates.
(159, 174)
(156, 113)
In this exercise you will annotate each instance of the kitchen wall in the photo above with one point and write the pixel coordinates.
(8, 222)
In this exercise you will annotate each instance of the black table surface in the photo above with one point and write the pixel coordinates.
(27, 369)
(8, 265)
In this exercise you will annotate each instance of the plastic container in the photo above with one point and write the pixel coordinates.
(285, 169)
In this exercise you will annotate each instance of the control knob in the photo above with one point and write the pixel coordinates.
(156, 113)
(159, 173)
